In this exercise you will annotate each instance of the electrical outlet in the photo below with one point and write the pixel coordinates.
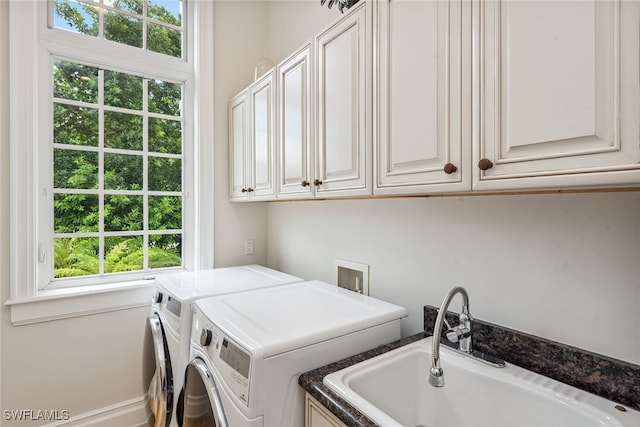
(249, 246)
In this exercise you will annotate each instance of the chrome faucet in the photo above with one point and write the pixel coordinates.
(460, 334)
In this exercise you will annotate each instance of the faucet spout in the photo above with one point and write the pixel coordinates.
(460, 334)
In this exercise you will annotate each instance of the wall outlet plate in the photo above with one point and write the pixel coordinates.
(249, 246)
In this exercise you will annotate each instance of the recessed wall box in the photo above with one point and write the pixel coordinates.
(352, 275)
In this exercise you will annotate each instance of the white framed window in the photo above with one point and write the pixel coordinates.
(107, 159)
(114, 168)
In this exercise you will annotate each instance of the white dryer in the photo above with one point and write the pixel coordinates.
(170, 325)
(248, 350)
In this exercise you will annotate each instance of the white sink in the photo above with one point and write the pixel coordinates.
(393, 390)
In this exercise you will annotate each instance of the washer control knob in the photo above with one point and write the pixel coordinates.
(157, 298)
(205, 337)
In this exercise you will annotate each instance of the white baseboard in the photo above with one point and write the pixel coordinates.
(129, 413)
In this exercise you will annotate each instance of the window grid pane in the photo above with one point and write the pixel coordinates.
(118, 206)
(153, 25)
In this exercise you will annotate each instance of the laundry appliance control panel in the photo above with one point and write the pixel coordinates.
(228, 358)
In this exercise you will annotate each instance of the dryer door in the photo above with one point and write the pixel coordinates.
(202, 404)
(160, 394)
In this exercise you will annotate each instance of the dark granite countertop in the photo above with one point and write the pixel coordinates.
(312, 383)
(613, 379)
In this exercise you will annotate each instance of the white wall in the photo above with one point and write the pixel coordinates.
(239, 27)
(563, 266)
(291, 24)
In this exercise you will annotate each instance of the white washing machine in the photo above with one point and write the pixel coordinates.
(170, 325)
(248, 350)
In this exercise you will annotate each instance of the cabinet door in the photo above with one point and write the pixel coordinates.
(238, 134)
(424, 81)
(294, 125)
(343, 141)
(557, 93)
(262, 142)
(318, 416)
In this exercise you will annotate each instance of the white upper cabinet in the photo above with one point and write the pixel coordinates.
(294, 102)
(343, 63)
(556, 94)
(402, 97)
(238, 147)
(252, 142)
(424, 86)
(262, 148)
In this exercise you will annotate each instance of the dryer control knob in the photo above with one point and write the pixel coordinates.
(158, 297)
(205, 337)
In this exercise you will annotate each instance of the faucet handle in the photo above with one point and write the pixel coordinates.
(447, 324)
(457, 333)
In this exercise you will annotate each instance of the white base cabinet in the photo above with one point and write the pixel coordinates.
(317, 415)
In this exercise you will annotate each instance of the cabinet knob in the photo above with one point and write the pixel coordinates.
(485, 164)
(249, 190)
(317, 182)
(305, 183)
(450, 168)
(244, 190)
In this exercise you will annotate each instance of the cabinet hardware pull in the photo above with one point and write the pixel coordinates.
(450, 168)
(305, 183)
(485, 164)
(250, 190)
(317, 182)
(244, 190)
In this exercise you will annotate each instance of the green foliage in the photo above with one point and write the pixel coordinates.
(123, 213)
(165, 174)
(75, 213)
(163, 258)
(165, 212)
(123, 131)
(165, 136)
(75, 169)
(124, 254)
(75, 125)
(123, 171)
(164, 40)
(165, 97)
(76, 82)
(76, 257)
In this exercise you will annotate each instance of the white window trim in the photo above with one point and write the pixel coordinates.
(28, 303)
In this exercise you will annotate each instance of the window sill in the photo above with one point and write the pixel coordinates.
(71, 302)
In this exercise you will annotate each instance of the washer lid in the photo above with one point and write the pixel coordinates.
(190, 285)
(275, 320)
